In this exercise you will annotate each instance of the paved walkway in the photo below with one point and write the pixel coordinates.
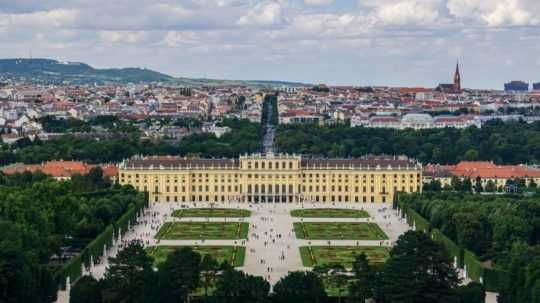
(272, 249)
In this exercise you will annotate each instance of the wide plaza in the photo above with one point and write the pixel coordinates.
(261, 239)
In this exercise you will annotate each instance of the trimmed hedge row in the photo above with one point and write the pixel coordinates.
(452, 248)
(94, 249)
(475, 268)
(493, 279)
(419, 221)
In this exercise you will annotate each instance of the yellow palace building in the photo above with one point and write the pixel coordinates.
(272, 178)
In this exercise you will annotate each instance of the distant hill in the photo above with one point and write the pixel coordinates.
(217, 82)
(47, 71)
(57, 72)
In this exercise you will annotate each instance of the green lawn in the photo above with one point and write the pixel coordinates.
(203, 230)
(343, 255)
(329, 213)
(235, 255)
(212, 213)
(339, 231)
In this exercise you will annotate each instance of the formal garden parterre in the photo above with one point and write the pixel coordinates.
(203, 230)
(339, 231)
(342, 255)
(234, 255)
(329, 213)
(212, 213)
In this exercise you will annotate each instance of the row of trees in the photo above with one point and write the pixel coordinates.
(502, 229)
(516, 185)
(43, 222)
(418, 271)
(245, 137)
(502, 142)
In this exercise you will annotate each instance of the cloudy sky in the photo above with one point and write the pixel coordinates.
(360, 42)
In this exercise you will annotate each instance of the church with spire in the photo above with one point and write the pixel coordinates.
(457, 79)
(454, 88)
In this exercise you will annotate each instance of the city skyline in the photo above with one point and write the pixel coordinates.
(391, 42)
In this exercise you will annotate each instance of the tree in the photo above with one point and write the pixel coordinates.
(434, 185)
(363, 286)
(338, 279)
(467, 185)
(418, 270)
(471, 293)
(490, 186)
(299, 287)
(22, 279)
(179, 275)
(86, 290)
(209, 266)
(524, 275)
(471, 155)
(128, 275)
(473, 231)
(235, 286)
(478, 185)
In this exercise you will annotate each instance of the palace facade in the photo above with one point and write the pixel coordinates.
(272, 178)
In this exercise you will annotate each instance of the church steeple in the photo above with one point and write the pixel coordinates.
(457, 79)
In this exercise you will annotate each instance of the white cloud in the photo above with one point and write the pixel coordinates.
(318, 2)
(406, 12)
(170, 11)
(497, 12)
(111, 37)
(177, 38)
(53, 18)
(263, 14)
(330, 24)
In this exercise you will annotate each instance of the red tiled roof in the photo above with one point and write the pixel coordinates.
(490, 170)
(59, 169)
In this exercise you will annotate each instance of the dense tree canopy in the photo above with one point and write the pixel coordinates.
(503, 229)
(245, 137)
(39, 216)
(510, 142)
(486, 225)
(418, 270)
(299, 287)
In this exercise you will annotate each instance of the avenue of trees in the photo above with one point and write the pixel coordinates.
(270, 105)
(43, 221)
(418, 271)
(501, 142)
(245, 137)
(503, 230)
